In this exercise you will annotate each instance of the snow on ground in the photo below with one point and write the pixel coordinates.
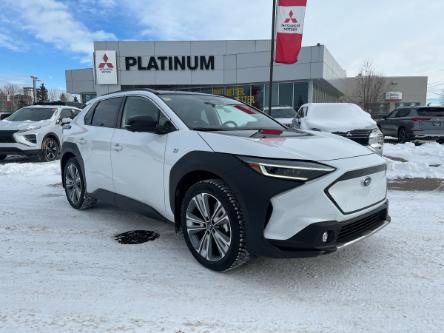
(62, 271)
(425, 161)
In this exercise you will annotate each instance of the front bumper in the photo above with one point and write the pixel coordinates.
(310, 241)
(17, 149)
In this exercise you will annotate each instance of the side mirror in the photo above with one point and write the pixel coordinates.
(148, 125)
(65, 121)
(141, 124)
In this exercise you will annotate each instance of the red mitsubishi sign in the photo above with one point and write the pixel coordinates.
(289, 28)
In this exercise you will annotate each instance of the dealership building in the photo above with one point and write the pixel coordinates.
(236, 68)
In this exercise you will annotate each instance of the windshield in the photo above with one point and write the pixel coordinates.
(283, 113)
(32, 114)
(206, 112)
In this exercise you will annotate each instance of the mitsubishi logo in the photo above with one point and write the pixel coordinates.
(349, 134)
(291, 18)
(105, 63)
(366, 181)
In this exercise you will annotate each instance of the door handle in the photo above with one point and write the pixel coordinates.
(117, 147)
(82, 141)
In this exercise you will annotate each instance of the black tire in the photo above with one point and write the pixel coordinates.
(402, 135)
(50, 150)
(440, 141)
(236, 253)
(73, 181)
(2, 157)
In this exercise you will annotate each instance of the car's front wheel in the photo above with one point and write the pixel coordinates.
(213, 225)
(75, 188)
(50, 150)
(2, 157)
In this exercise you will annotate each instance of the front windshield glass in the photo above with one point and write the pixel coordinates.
(283, 113)
(32, 114)
(206, 112)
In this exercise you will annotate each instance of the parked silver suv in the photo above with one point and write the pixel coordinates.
(35, 130)
(411, 123)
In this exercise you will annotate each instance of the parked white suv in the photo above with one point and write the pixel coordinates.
(35, 130)
(344, 119)
(236, 182)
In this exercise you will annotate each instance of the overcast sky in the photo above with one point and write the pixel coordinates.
(45, 37)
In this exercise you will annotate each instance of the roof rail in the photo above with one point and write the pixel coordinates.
(133, 89)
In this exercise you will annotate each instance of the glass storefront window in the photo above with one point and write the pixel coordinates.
(257, 94)
(300, 94)
(286, 94)
(275, 97)
(219, 91)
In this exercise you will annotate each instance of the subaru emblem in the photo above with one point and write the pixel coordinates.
(366, 181)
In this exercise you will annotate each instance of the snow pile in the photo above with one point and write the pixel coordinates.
(62, 271)
(29, 169)
(426, 161)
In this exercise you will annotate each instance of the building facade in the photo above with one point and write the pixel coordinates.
(239, 69)
(398, 91)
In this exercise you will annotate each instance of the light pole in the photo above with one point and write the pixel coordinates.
(35, 79)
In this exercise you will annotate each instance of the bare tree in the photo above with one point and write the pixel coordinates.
(11, 90)
(370, 88)
(53, 95)
(63, 97)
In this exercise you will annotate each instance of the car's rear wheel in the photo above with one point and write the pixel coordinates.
(402, 135)
(75, 188)
(2, 157)
(50, 150)
(440, 141)
(213, 225)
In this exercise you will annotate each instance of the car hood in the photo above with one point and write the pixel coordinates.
(6, 125)
(304, 145)
(339, 125)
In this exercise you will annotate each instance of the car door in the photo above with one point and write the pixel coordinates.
(401, 119)
(95, 143)
(138, 157)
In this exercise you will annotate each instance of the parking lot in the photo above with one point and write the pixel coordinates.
(63, 270)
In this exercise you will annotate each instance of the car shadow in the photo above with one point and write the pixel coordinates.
(20, 159)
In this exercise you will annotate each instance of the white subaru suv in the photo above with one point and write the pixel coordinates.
(35, 130)
(232, 179)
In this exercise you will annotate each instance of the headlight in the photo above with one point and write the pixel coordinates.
(376, 137)
(376, 141)
(294, 170)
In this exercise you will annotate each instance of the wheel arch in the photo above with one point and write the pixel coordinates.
(53, 136)
(68, 151)
(182, 186)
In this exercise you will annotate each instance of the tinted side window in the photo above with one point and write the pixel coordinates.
(66, 113)
(106, 113)
(89, 115)
(139, 106)
(403, 113)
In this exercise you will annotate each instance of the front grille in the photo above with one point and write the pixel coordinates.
(359, 136)
(7, 136)
(358, 228)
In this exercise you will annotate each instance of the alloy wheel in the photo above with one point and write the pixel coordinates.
(73, 184)
(50, 150)
(208, 227)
